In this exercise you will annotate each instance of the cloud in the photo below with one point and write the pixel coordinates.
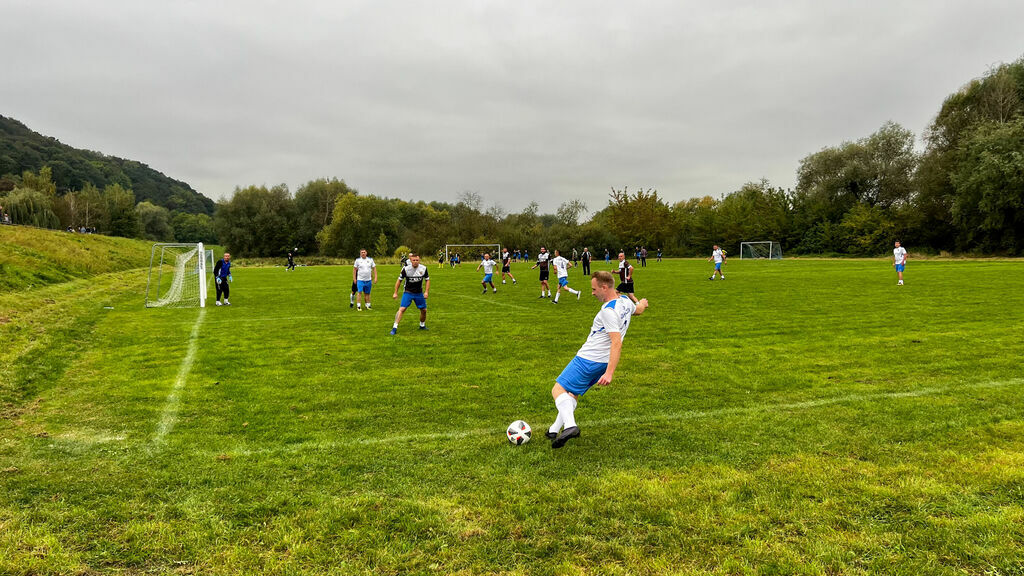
(517, 101)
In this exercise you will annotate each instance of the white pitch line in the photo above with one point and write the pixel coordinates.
(664, 417)
(170, 413)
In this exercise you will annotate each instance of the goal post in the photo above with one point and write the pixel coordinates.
(179, 275)
(762, 250)
(473, 249)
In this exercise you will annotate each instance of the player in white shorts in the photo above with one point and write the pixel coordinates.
(562, 270)
(596, 360)
(488, 266)
(718, 255)
(899, 261)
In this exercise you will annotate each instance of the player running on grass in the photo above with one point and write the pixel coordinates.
(488, 266)
(291, 263)
(364, 276)
(718, 255)
(899, 261)
(506, 265)
(542, 262)
(562, 270)
(625, 273)
(417, 289)
(596, 361)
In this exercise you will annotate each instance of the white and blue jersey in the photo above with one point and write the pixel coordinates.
(488, 266)
(718, 257)
(591, 360)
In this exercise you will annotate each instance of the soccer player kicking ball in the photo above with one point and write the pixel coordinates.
(364, 276)
(417, 289)
(506, 266)
(562, 270)
(596, 361)
(899, 261)
(222, 275)
(542, 262)
(488, 265)
(718, 255)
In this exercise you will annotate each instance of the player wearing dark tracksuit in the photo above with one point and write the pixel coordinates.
(222, 276)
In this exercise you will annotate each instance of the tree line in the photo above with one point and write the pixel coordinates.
(963, 193)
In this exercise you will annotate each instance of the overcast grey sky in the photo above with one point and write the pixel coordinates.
(523, 100)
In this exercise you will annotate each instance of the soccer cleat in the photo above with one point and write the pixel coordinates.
(712, 278)
(394, 331)
(218, 303)
(423, 328)
(495, 290)
(578, 294)
(513, 281)
(723, 276)
(351, 305)
(551, 435)
(359, 308)
(900, 283)
(554, 301)
(541, 296)
(565, 436)
(226, 303)
(485, 290)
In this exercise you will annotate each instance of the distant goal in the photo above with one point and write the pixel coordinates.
(179, 276)
(765, 250)
(471, 252)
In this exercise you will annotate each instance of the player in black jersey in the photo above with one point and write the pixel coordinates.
(542, 262)
(625, 273)
(506, 265)
(417, 289)
(291, 262)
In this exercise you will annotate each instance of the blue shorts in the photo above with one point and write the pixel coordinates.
(580, 374)
(899, 267)
(364, 286)
(487, 278)
(409, 298)
(718, 266)
(563, 280)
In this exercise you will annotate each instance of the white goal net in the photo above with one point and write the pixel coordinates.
(179, 276)
(471, 252)
(760, 250)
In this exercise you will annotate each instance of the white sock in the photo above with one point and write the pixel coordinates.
(557, 426)
(359, 306)
(395, 326)
(573, 291)
(352, 299)
(566, 405)
(422, 324)
(557, 295)
(367, 305)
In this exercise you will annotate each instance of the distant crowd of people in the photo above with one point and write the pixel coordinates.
(82, 230)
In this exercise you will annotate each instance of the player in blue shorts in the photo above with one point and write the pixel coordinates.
(718, 255)
(899, 261)
(488, 265)
(364, 276)
(417, 289)
(596, 361)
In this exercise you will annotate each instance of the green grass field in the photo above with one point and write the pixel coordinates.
(801, 416)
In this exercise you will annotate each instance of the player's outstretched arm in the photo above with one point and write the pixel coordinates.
(613, 359)
(641, 305)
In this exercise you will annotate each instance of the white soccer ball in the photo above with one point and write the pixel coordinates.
(518, 432)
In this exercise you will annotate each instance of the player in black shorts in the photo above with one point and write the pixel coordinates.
(542, 262)
(291, 262)
(625, 272)
(506, 265)
(352, 297)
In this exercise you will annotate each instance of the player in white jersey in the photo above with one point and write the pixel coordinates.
(562, 270)
(596, 360)
(718, 255)
(899, 261)
(488, 266)
(364, 276)
(506, 265)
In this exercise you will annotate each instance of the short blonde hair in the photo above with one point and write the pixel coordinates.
(604, 278)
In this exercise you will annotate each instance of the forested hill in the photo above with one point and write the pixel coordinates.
(22, 150)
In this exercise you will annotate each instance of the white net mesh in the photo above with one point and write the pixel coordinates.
(179, 276)
(764, 250)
